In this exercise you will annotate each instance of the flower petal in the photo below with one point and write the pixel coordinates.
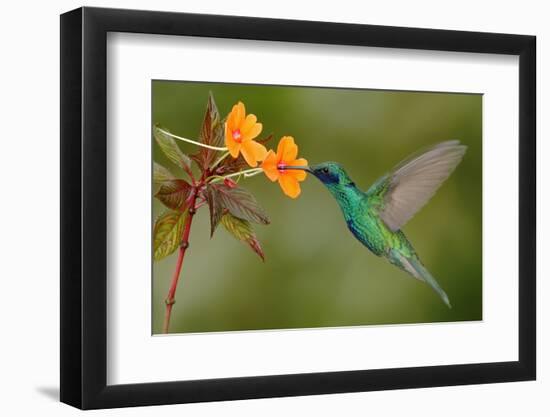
(297, 173)
(269, 165)
(248, 123)
(239, 113)
(258, 151)
(290, 185)
(232, 145)
(249, 154)
(287, 151)
(252, 132)
(230, 120)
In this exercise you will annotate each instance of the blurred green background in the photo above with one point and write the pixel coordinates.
(316, 274)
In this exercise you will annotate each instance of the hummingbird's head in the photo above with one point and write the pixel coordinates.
(329, 173)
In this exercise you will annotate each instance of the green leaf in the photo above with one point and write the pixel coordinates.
(171, 148)
(174, 194)
(167, 233)
(161, 174)
(242, 230)
(214, 206)
(240, 203)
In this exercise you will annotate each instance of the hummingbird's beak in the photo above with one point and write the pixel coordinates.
(303, 168)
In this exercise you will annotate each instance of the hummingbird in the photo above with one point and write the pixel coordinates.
(375, 217)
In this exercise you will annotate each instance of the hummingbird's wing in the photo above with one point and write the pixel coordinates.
(402, 192)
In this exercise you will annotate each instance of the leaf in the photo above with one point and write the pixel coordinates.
(211, 133)
(242, 230)
(211, 126)
(240, 203)
(167, 233)
(231, 165)
(171, 148)
(214, 206)
(174, 194)
(161, 174)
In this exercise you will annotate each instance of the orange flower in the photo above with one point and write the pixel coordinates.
(287, 151)
(240, 130)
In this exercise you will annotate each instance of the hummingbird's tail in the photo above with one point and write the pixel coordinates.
(414, 267)
(430, 280)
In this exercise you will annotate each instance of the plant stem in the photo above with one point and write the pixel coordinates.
(171, 298)
(190, 173)
(216, 148)
(221, 158)
(247, 173)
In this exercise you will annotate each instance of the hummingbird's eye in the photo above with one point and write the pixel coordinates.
(325, 170)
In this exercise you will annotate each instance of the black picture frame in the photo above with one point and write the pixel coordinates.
(84, 207)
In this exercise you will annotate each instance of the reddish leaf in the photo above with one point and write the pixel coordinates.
(211, 134)
(254, 243)
(231, 165)
(211, 125)
(240, 203)
(174, 194)
(242, 230)
(215, 207)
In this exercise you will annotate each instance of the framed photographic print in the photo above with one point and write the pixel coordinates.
(258, 208)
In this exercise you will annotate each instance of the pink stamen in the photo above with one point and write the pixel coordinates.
(281, 167)
(237, 135)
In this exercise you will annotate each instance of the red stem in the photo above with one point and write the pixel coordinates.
(190, 173)
(170, 299)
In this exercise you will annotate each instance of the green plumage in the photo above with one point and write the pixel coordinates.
(375, 217)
